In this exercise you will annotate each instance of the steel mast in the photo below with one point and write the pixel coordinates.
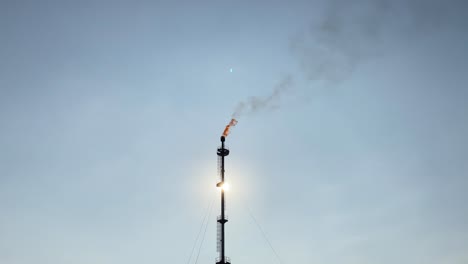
(222, 219)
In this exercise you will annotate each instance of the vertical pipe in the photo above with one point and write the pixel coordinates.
(222, 152)
(222, 204)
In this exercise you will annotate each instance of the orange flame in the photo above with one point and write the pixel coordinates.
(231, 124)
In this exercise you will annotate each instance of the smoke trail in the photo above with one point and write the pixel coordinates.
(350, 33)
(346, 36)
(255, 103)
(329, 52)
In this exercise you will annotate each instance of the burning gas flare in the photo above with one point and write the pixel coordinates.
(231, 124)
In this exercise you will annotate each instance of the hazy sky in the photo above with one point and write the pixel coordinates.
(111, 112)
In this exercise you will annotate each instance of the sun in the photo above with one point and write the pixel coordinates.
(225, 187)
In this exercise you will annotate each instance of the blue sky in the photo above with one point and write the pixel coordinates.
(111, 112)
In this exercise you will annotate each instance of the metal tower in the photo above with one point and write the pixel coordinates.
(222, 219)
